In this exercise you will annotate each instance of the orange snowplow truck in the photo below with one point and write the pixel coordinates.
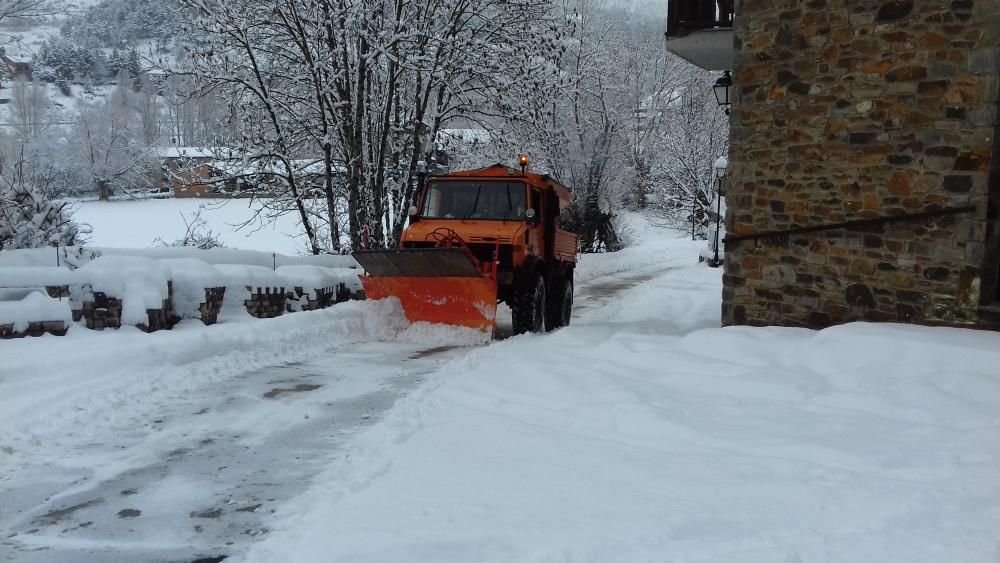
(477, 238)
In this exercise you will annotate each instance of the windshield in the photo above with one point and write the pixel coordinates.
(475, 200)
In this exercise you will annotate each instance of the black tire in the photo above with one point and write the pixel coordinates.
(527, 307)
(560, 305)
(567, 304)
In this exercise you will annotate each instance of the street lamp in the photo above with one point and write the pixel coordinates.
(720, 166)
(721, 88)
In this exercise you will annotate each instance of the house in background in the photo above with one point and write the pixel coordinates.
(12, 69)
(268, 179)
(154, 78)
(221, 173)
(192, 171)
(864, 165)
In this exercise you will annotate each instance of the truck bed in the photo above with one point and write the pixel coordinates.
(565, 246)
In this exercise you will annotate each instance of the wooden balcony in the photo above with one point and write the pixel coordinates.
(701, 32)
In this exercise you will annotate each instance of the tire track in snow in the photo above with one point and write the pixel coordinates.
(600, 292)
(228, 457)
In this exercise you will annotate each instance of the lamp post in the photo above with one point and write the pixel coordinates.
(721, 89)
(694, 217)
(720, 166)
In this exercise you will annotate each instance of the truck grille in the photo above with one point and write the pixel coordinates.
(483, 251)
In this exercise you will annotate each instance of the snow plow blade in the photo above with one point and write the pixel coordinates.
(434, 285)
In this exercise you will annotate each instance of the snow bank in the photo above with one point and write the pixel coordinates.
(443, 336)
(139, 276)
(75, 256)
(233, 256)
(254, 276)
(140, 283)
(71, 256)
(58, 393)
(35, 276)
(27, 307)
(28, 257)
(189, 270)
(307, 277)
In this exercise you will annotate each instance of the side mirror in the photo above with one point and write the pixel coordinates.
(412, 211)
(530, 214)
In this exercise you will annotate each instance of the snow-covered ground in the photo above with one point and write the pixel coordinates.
(136, 224)
(642, 432)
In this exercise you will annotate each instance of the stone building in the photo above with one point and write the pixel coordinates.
(864, 166)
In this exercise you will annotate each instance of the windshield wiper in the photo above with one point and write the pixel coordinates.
(510, 205)
(475, 203)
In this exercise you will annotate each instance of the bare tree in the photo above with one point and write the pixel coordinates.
(149, 108)
(28, 108)
(108, 152)
(188, 115)
(695, 133)
(599, 129)
(11, 9)
(364, 86)
(241, 57)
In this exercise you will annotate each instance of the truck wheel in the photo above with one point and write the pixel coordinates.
(560, 305)
(528, 308)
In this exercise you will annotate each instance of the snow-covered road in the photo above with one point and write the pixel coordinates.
(205, 475)
(125, 468)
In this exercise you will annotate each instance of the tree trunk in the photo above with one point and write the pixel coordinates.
(331, 198)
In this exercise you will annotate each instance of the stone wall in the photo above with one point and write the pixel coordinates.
(102, 312)
(299, 299)
(849, 110)
(36, 328)
(210, 309)
(266, 302)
